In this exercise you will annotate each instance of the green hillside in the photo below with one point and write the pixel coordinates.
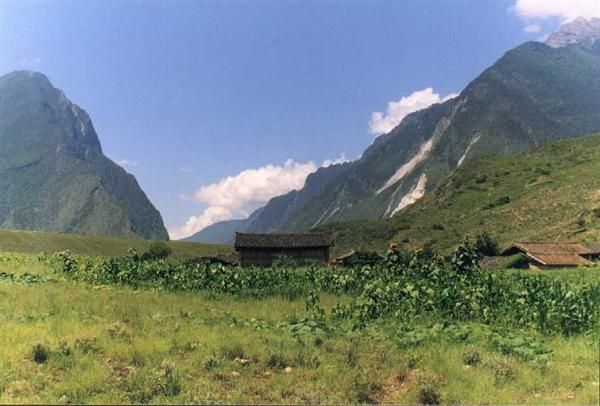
(550, 194)
(35, 242)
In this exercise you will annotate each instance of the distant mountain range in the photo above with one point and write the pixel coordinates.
(534, 94)
(53, 174)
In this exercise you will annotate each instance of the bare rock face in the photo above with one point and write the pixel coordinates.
(580, 31)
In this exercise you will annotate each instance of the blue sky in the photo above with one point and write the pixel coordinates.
(186, 94)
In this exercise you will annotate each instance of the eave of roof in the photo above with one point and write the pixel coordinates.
(559, 260)
(308, 240)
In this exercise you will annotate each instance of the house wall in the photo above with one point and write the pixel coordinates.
(265, 257)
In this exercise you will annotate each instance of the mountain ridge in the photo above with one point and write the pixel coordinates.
(53, 173)
(551, 193)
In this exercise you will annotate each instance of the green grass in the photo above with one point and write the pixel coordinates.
(112, 344)
(550, 194)
(35, 242)
(578, 276)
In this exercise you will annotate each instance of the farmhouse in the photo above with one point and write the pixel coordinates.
(263, 249)
(555, 255)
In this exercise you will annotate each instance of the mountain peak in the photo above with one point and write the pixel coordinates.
(579, 31)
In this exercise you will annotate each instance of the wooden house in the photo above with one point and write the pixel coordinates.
(263, 249)
(555, 255)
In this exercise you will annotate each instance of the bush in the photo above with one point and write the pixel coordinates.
(485, 245)
(39, 353)
(233, 352)
(429, 392)
(210, 362)
(365, 390)
(157, 250)
(503, 371)
(499, 202)
(277, 361)
(472, 358)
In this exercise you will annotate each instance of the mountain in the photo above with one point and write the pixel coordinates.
(551, 193)
(53, 174)
(223, 232)
(583, 32)
(533, 94)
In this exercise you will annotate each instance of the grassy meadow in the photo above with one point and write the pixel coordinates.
(35, 242)
(68, 341)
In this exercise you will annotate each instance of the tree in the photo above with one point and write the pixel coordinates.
(157, 250)
(485, 245)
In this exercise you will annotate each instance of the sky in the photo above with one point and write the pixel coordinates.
(216, 107)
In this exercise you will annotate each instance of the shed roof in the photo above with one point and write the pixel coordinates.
(592, 248)
(560, 254)
(308, 240)
(347, 255)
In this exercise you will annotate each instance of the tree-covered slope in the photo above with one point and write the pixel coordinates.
(53, 174)
(549, 194)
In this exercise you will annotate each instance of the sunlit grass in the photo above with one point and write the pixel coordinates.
(113, 344)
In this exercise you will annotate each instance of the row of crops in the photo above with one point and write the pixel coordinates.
(404, 287)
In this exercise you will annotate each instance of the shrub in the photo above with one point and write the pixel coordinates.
(39, 353)
(472, 358)
(481, 178)
(365, 390)
(232, 352)
(499, 202)
(502, 370)
(485, 245)
(210, 362)
(428, 392)
(157, 250)
(168, 382)
(277, 361)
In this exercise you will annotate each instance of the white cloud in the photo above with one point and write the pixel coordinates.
(339, 160)
(532, 28)
(567, 10)
(127, 162)
(237, 196)
(383, 123)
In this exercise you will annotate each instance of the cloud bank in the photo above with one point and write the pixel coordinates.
(383, 123)
(567, 10)
(237, 196)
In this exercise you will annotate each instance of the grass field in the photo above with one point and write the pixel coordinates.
(114, 344)
(35, 242)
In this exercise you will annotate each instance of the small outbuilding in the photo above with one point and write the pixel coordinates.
(263, 249)
(555, 255)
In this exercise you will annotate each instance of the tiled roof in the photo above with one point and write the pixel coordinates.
(246, 240)
(560, 254)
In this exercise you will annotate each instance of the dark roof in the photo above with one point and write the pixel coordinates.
(245, 240)
(551, 254)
